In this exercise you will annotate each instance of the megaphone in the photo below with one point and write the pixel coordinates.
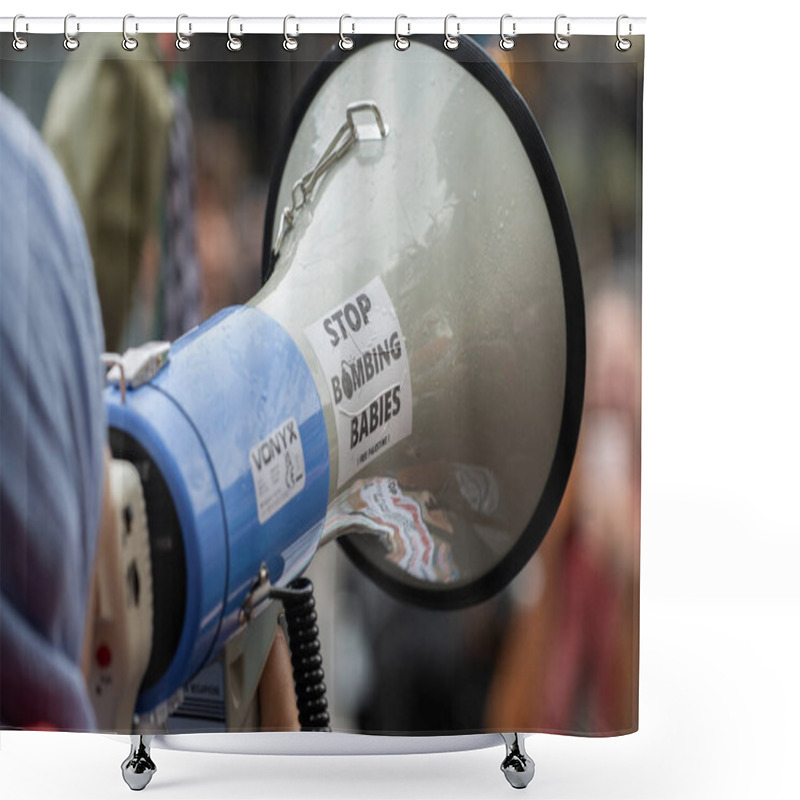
(409, 380)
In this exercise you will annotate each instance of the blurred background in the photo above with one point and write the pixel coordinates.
(170, 156)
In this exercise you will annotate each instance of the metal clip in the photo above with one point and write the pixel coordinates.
(401, 42)
(19, 44)
(136, 366)
(451, 42)
(623, 44)
(302, 190)
(128, 42)
(111, 360)
(181, 41)
(259, 593)
(234, 44)
(560, 42)
(345, 42)
(70, 42)
(289, 42)
(507, 42)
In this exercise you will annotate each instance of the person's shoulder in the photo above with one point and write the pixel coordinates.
(12, 121)
(42, 238)
(26, 161)
(20, 143)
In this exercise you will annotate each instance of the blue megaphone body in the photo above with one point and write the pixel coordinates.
(229, 440)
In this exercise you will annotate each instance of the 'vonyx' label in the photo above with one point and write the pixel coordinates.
(278, 468)
(362, 352)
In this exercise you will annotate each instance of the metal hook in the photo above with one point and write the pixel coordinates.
(623, 44)
(181, 41)
(345, 42)
(303, 189)
(70, 42)
(234, 44)
(19, 43)
(110, 360)
(401, 42)
(128, 42)
(366, 105)
(507, 42)
(560, 42)
(451, 42)
(290, 43)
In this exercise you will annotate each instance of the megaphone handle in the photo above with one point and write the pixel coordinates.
(304, 646)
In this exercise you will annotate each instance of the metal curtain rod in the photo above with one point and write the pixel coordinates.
(297, 26)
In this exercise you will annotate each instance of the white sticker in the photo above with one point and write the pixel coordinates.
(362, 352)
(278, 468)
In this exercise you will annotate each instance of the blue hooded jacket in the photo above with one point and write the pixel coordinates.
(52, 431)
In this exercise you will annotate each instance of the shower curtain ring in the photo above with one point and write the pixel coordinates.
(451, 42)
(507, 42)
(560, 42)
(181, 41)
(128, 42)
(401, 42)
(70, 42)
(234, 44)
(19, 43)
(345, 42)
(623, 44)
(289, 42)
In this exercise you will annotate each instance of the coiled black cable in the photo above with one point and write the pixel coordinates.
(309, 677)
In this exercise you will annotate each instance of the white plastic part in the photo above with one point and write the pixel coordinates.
(123, 619)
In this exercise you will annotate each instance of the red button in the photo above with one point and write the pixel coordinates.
(103, 656)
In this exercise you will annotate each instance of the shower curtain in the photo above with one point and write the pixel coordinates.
(446, 245)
